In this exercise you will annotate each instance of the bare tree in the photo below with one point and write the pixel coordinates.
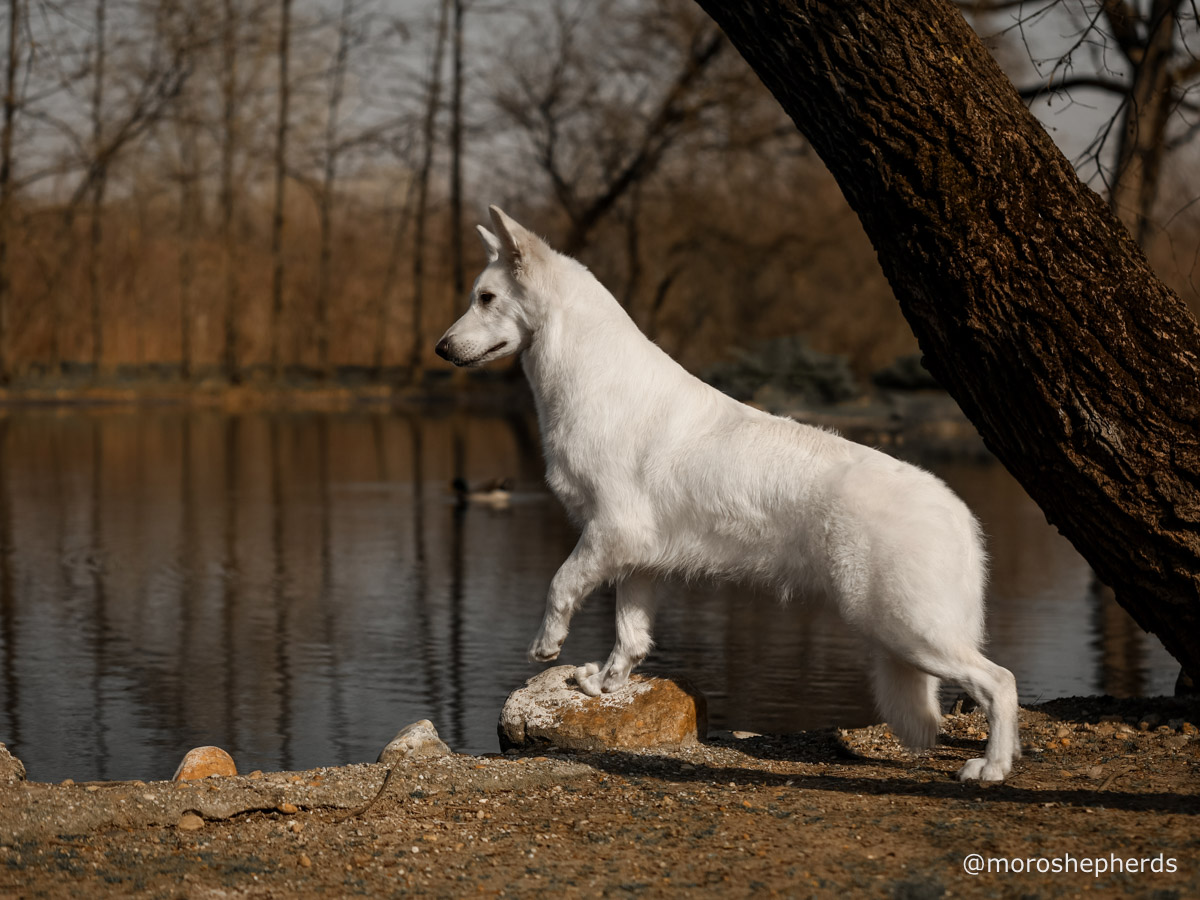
(424, 172)
(189, 213)
(11, 63)
(391, 276)
(332, 151)
(84, 120)
(178, 28)
(456, 150)
(280, 175)
(1145, 55)
(229, 147)
(95, 287)
(591, 154)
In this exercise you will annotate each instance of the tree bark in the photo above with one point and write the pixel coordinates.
(1034, 306)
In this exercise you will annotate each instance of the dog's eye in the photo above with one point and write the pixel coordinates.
(486, 297)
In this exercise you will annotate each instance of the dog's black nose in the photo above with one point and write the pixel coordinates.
(443, 349)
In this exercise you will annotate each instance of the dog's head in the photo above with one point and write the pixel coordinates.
(504, 310)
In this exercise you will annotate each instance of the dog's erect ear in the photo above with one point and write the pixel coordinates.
(517, 243)
(491, 243)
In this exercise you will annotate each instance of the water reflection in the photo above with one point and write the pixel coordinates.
(295, 588)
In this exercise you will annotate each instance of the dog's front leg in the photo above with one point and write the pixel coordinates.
(635, 620)
(582, 573)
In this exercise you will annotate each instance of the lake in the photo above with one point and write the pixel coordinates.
(295, 588)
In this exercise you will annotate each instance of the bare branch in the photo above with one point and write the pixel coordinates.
(1079, 82)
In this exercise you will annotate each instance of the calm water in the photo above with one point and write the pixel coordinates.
(296, 588)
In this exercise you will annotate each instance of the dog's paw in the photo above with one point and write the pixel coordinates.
(613, 681)
(984, 770)
(542, 650)
(590, 679)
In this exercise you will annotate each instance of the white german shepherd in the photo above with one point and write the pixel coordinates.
(663, 473)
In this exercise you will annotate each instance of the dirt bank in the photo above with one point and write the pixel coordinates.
(814, 814)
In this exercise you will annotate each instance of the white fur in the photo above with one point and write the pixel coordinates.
(665, 474)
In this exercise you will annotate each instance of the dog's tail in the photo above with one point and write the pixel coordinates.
(907, 700)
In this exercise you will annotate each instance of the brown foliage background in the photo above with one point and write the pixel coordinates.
(625, 131)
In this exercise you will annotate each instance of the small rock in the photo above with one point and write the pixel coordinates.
(288, 809)
(1188, 728)
(305, 862)
(1150, 720)
(1063, 731)
(12, 769)
(189, 822)
(1095, 772)
(202, 762)
(418, 739)
(647, 712)
(1174, 724)
(1176, 741)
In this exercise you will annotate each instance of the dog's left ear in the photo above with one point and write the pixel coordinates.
(491, 243)
(517, 243)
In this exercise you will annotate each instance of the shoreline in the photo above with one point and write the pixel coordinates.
(809, 814)
(888, 418)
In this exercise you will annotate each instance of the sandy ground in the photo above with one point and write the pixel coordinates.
(1104, 784)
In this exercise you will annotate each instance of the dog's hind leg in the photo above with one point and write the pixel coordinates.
(635, 620)
(995, 690)
(582, 572)
(907, 700)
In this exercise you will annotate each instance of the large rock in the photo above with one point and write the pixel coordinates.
(551, 711)
(12, 769)
(204, 762)
(418, 739)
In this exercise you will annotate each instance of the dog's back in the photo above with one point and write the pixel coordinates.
(703, 484)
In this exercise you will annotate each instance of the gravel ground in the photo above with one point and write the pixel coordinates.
(813, 814)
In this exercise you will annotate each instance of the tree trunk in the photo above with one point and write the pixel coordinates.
(281, 136)
(428, 141)
(6, 184)
(337, 77)
(456, 147)
(1033, 305)
(229, 137)
(100, 167)
(1148, 107)
(390, 276)
(189, 210)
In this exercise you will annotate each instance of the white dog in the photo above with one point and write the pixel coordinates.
(663, 473)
